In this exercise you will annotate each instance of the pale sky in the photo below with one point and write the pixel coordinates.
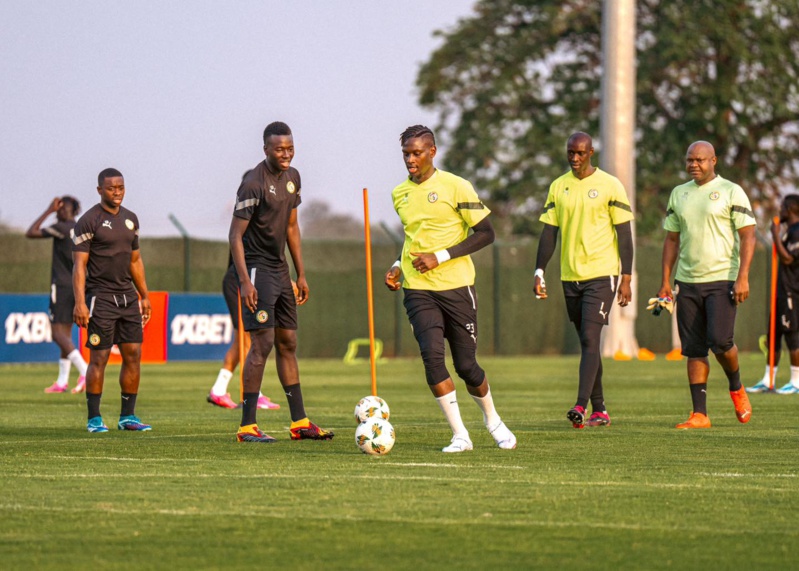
(176, 95)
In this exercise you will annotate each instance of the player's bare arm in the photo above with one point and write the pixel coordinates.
(393, 277)
(671, 249)
(137, 275)
(248, 293)
(80, 314)
(546, 247)
(35, 230)
(625, 294)
(785, 256)
(740, 289)
(294, 242)
(423, 262)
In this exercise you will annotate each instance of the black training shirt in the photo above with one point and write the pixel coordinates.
(109, 240)
(61, 233)
(266, 199)
(789, 275)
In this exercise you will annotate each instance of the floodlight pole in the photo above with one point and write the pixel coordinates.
(186, 251)
(617, 134)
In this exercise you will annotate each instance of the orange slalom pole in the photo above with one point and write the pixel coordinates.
(369, 297)
(772, 318)
(241, 350)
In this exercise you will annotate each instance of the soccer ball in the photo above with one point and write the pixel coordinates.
(371, 407)
(375, 436)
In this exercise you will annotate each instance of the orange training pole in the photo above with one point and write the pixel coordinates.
(369, 298)
(772, 319)
(241, 350)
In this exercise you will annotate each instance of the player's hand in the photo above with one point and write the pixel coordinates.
(392, 279)
(302, 290)
(740, 290)
(424, 262)
(146, 310)
(55, 204)
(249, 295)
(665, 291)
(540, 287)
(80, 314)
(625, 294)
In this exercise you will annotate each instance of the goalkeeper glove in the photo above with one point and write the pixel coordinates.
(658, 304)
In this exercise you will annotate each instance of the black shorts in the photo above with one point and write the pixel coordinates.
(590, 300)
(277, 306)
(787, 325)
(230, 289)
(705, 317)
(62, 304)
(113, 319)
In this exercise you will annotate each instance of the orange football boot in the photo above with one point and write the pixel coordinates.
(743, 410)
(696, 420)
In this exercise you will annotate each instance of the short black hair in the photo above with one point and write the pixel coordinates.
(107, 173)
(74, 202)
(276, 128)
(417, 131)
(791, 202)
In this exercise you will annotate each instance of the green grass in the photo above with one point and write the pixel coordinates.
(638, 494)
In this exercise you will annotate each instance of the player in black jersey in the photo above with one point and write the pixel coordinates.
(108, 279)
(62, 300)
(264, 222)
(787, 318)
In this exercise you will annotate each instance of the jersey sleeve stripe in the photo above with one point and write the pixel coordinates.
(470, 206)
(669, 212)
(548, 207)
(82, 238)
(743, 210)
(53, 232)
(621, 205)
(247, 203)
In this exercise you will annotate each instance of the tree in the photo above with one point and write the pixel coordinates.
(511, 83)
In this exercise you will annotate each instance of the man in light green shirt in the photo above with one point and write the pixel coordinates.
(711, 230)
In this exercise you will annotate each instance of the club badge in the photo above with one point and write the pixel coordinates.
(714, 195)
(129, 224)
(94, 339)
(593, 193)
(432, 197)
(261, 316)
(290, 187)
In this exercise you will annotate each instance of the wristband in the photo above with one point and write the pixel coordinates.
(442, 256)
(396, 264)
(539, 273)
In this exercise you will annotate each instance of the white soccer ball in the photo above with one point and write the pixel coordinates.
(371, 407)
(375, 436)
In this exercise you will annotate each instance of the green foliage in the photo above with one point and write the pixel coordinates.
(636, 495)
(511, 83)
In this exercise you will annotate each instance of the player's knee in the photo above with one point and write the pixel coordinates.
(286, 346)
(435, 368)
(468, 370)
(721, 347)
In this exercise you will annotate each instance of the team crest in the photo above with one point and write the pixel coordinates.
(593, 193)
(261, 316)
(129, 224)
(290, 187)
(432, 197)
(714, 195)
(94, 339)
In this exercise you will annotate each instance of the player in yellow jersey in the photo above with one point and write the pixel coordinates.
(711, 230)
(437, 209)
(591, 209)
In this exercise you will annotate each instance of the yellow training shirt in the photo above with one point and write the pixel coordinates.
(437, 215)
(586, 211)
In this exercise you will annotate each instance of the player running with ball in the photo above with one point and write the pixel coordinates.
(437, 209)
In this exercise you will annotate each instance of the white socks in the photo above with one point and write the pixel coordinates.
(63, 372)
(222, 380)
(490, 417)
(795, 376)
(765, 379)
(77, 359)
(449, 406)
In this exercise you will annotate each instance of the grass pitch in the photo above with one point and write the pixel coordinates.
(638, 494)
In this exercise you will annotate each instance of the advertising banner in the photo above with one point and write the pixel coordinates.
(199, 327)
(27, 337)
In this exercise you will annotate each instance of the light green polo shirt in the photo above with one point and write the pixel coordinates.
(708, 218)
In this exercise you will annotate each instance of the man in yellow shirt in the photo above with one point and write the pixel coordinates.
(593, 213)
(437, 209)
(711, 230)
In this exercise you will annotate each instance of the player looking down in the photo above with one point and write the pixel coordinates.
(592, 210)
(437, 209)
